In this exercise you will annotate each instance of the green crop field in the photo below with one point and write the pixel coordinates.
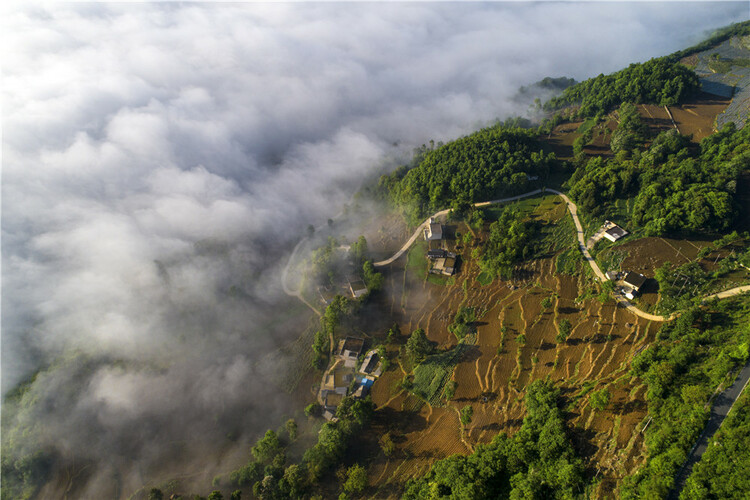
(431, 375)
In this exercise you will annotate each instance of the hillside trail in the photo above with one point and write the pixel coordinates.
(420, 229)
(572, 208)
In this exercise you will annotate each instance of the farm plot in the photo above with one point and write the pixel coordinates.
(724, 70)
(431, 375)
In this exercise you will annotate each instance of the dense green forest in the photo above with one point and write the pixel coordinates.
(538, 461)
(683, 368)
(491, 163)
(658, 81)
(510, 240)
(676, 189)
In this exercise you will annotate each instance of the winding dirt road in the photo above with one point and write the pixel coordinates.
(573, 209)
(285, 276)
(720, 410)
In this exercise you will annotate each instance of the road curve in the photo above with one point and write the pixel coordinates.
(284, 276)
(573, 209)
(595, 267)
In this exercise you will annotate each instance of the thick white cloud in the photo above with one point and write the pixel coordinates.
(155, 155)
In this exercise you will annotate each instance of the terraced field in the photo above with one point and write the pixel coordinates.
(493, 373)
(724, 70)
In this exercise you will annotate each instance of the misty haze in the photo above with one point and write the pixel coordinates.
(161, 162)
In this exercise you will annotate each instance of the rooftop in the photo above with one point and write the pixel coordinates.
(635, 280)
(333, 399)
(353, 345)
(616, 232)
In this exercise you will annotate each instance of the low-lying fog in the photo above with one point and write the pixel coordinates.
(160, 160)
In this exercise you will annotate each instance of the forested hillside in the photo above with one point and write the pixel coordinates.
(491, 163)
(538, 461)
(676, 188)
(658, 81)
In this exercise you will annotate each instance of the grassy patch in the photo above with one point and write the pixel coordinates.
(431, 375)
(555, 236)
(485, 278)
(569, 262)
(719, 65)
(436, 279)
(416, 262)
(525, 207)
(611, 260)
(587, 125)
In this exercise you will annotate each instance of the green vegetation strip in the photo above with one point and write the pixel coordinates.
(722, 471)
(431, 375)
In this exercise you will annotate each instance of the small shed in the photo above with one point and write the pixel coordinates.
(634, 280)
(350, 349)
(434, 231)
(614, 233)
(449, 267)
(436, 254)
(331, 401)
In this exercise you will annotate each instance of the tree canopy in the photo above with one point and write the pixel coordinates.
(675, 189)
(493, 162)
(509, 241)
(657, 81)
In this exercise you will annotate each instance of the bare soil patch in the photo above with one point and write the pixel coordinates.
(696, 118)
(560, 140)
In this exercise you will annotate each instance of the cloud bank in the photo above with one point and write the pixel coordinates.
(159, 158)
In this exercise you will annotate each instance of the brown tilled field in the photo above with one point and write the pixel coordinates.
(696, 118)
(560, 140)
(604, 339)
(492, 375)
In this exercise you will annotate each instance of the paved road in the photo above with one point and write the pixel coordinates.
(728, 293)
(719, 411)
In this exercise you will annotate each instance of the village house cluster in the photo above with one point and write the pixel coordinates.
(354, 288)
(443, 261)
(344, 378)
